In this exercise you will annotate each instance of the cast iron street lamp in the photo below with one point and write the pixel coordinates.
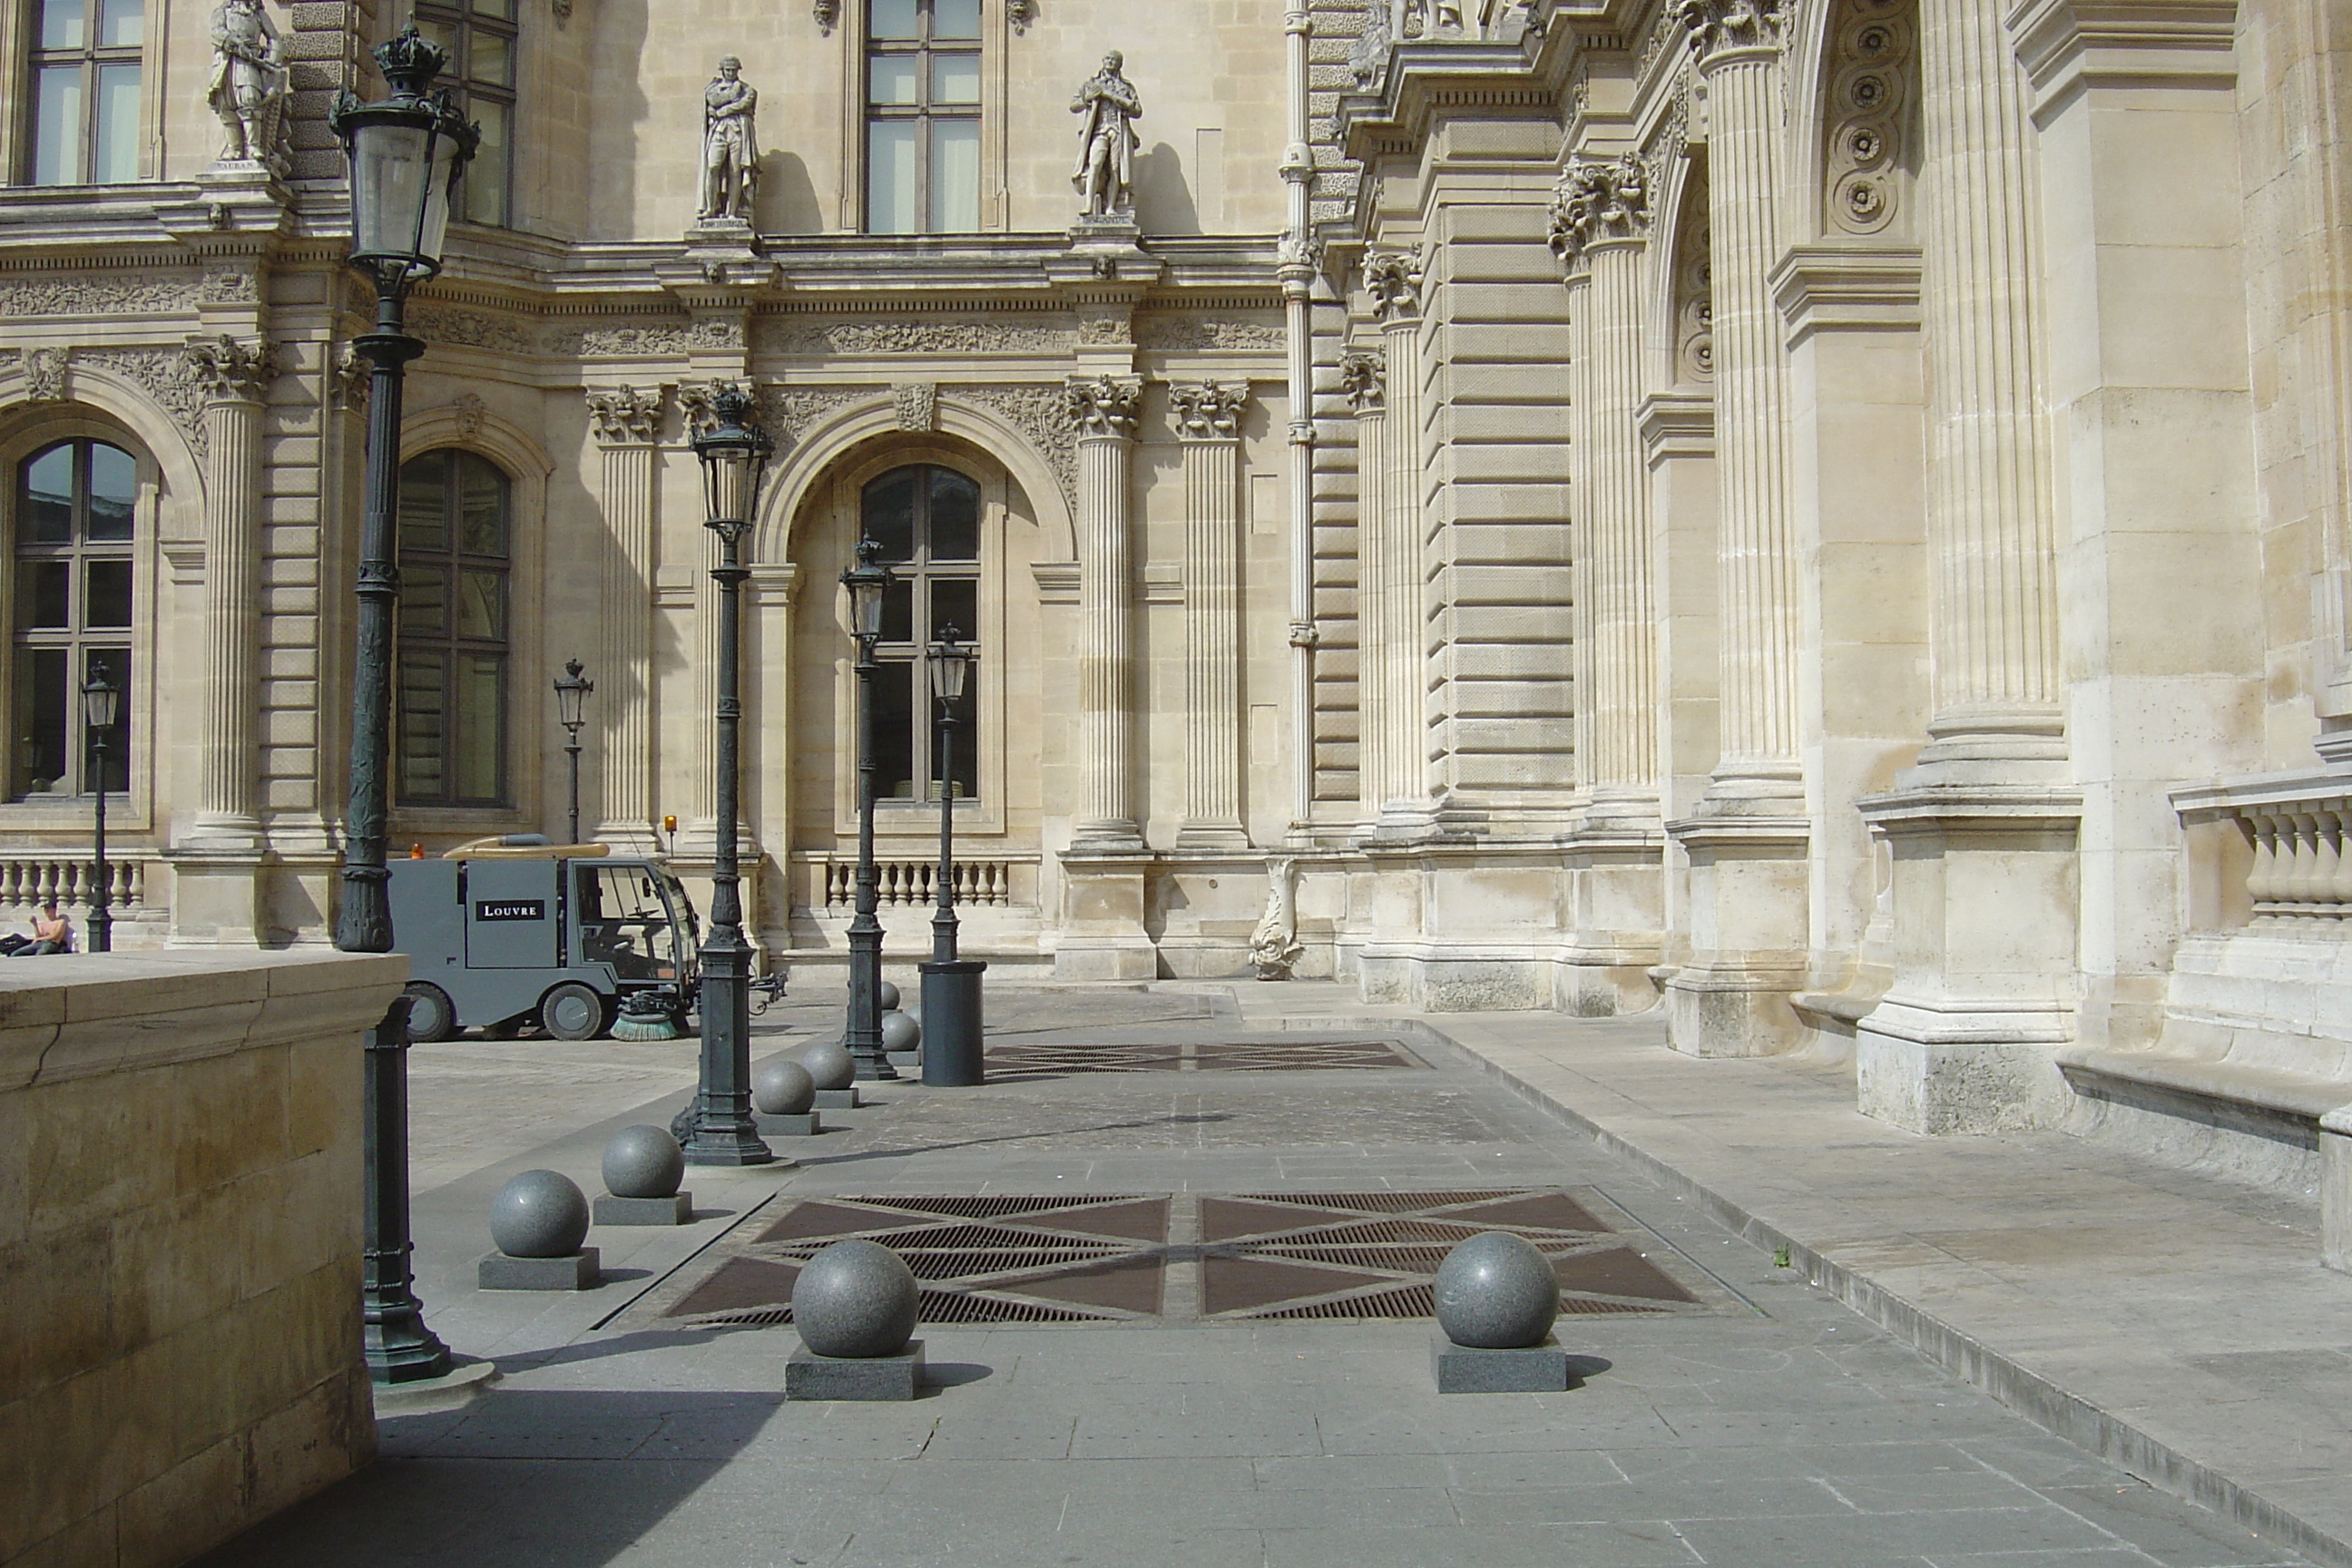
(734, 458)
(951, 1007)
(406, 154)
(572, 690)
(100, 704)
(868, 583)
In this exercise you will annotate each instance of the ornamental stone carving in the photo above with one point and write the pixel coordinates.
(1208, 410)
(828, 16)
(1105, 407)
(439, 325)
(1596, 202)
(667, 339)
(911, 337)
(229, 285)
(1393, 279)
(1020, 13)
(730, 146)
(1695, 307)
(162, 374)
(228, 371)
(917, 404)
(1864, 161)
(1370, 54)
(97, 296)
(626, 416)
(1717, 26)
(1196, 334)
(1043, 415)
(469, 411)
(45, 376)
(1364, 380)
(349, 378)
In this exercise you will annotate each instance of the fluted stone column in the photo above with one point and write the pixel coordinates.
(1208, 418)
(1363, 378)
(1393, 279)
(1104, 409)
(216, 862)
(628, 425)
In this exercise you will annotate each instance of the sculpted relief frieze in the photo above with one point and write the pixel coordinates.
(469, 329)
(163, 374)
(1196, 334)
(1865, 159)
(1043, 415)
(662, 339)
(98, 296)
(800, 337)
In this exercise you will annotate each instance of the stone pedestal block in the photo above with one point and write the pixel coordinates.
(578, 1272)
(1931, 1086)
(904, 1059)
(1102, 919)
(1459, 1369)
(808, 1375)
(215, 898)
(834, 1099)
(807, 1124)
(676, 1209)
(2336, 1189)
(1747, 923)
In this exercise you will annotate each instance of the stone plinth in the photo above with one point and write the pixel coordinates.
(2336, 1189)
(180, 1148)
(676, 1209)
(807, 1124)
(808, 1375)
(1459, 1369)
(580, 1271)
(834, 1099)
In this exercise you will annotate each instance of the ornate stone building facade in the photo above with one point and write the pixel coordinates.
(1826, 517)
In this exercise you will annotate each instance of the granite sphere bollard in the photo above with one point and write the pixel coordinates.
(783, 1089)
(643, 1162)
(855, 1300)
(1495, 1292)
(887, 995)
(829, 1065)
(900, 1033)
(539, 1213)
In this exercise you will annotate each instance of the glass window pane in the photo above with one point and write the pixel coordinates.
(106, 592)
(955, 18)
(117, 150)
(955, 517)
(482, 508)
(894, 19)
(492, 59)
(955, 78)
(114, 663)
(45, 503)
(891, 78)
(57, 127)
(889, 509)
(123, 23)
(40, 762)
(485, 179)
(955, 177)
(481, 689)
(424, 498)
(955, 602)
(440, 33)
(892, 190)
(898, 611)
(114, 491)
(482, 605)
(423, 600)
(893, 733)
(424, 676)
(44, 595)
(504, 10)
(65, 23)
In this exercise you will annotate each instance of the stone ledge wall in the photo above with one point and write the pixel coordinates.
(180, 1235)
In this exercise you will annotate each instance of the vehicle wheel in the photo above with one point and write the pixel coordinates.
(431, 1017)
(573, 1012)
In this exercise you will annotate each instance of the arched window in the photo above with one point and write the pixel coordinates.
(456, 521)
(76, 502)
(927, 520)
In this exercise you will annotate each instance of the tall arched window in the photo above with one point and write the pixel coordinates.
(927, 520)
(76, 502)
(456, 529)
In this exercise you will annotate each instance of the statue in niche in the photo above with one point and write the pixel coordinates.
(730, 144)
(248, 82)
(1107, 141)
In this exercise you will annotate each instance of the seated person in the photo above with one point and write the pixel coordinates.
(52, 933)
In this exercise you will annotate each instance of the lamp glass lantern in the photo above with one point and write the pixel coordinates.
(868, 583)
(102, 704)
(572, 690)
(407, 154)
(951, 659)
(734, 456)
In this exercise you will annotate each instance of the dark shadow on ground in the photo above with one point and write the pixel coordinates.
(555, 1480)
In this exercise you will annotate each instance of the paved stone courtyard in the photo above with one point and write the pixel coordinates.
(1758, 1422)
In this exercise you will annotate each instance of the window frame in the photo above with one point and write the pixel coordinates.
(22, 58)
(462, 20)
(853, 33)
(451, 646)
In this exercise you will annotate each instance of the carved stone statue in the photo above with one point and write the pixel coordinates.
(247, 86)
(1107, 141)
(730, 144)
(1274, 947)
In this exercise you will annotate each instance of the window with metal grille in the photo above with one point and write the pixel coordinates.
(922, 117)
(481, 37)
(83, 110)
(77, 502)
(456, 529)
(927, 520)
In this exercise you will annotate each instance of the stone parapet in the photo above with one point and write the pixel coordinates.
(179, 1175)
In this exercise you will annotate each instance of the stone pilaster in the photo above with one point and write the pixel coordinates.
(1363, 377)
(628, 424)
(1104, 409)
(1394, 281)
(1208, 418)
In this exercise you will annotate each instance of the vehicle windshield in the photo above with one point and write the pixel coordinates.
(624, 921)
(687, 920)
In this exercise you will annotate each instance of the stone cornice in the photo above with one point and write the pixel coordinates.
(1839, 288)
(2069, 46)
(1676, 424)
(1426, 83)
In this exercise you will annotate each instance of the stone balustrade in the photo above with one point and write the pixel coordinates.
(2299, 871)
(899, 883)
(29, 879)
(180, 1245)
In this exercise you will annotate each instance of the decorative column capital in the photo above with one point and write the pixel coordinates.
(1208, 410)
(349, 378)
(1722, 26)
(1393, 277)
(1105, 407)
(1598, 201)
(627, 416)
(1364, 381)
(227, 371)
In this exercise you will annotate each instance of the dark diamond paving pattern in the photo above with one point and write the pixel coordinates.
(1026, 1058)
(1107, 1258)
